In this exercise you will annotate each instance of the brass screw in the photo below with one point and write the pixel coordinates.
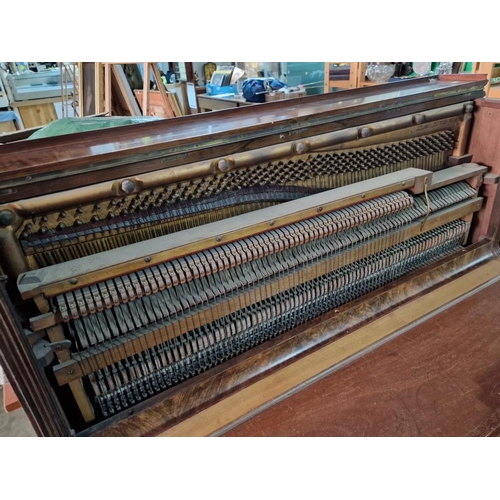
(299, 148)
(128, 186)
(223, 165)
(320, 209)
(418, 119)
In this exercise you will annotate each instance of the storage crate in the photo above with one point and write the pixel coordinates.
(218, 90)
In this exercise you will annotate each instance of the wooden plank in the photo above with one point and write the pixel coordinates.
(263, 392)
(99, 87)
(125, 90)
(107, 89)
(160, 86)
(10, 400)
(137, 256)
(43, 321)
(174, 101)
(459, 173)
(87, 88)
(156, 105)
(145, 90)
(127, 345)
(36, 113)
(7, 127)
(31, 102)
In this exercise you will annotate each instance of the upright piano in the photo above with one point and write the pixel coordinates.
(175, 277)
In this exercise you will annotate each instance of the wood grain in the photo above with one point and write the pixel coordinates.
(116, 350)
(37, 114)
(33, 390)
(72, 154)
(485, 147)
(441, 378)
(176, 404)
(136, 256)
(276, 385)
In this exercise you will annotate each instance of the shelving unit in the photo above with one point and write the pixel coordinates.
(350, 83)
(362, 81)
(357, 77)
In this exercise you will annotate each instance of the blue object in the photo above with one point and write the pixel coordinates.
(255, 89)
(7, 116)
(217, 89)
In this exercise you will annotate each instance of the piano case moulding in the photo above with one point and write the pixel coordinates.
(153, 273)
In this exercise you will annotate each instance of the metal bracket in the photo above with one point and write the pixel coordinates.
(44, 351)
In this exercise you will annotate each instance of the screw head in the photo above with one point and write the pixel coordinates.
(364, 132)
(469, 108)
(73, 281)
(299, 148)
(418, 119)
(219, 238)
(6, 218)
(223, 165)
(147, 259)
(128, 186)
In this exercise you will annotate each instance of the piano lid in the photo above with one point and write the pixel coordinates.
(195, 137)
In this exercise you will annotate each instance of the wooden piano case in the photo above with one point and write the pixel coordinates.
(177, 277)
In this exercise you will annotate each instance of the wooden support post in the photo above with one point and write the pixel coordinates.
(145, 91)
(107, 88)
(161, 88)
(99, 88)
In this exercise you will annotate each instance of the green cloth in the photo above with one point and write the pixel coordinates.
(66, 126)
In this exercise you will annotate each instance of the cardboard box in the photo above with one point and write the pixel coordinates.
(278, 96)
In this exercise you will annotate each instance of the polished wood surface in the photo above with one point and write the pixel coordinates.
(57, 164)
(41, 156)
(349, 326)
(485, 148)
(441, 378)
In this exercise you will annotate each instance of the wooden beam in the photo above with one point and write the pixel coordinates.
(125, 90)
(145, 90)
(107, 88)
(159, 84)
(99, 88)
